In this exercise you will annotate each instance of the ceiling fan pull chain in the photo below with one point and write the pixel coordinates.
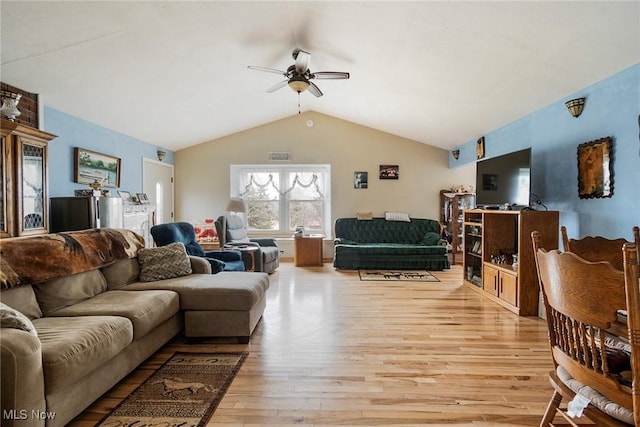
(298, 102)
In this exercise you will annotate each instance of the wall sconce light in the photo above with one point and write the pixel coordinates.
(456, 154)
(575, 106)
(161, 154)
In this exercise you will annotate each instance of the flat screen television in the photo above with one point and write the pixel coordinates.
(504, 180)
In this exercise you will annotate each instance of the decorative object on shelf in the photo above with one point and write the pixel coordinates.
(90, 167)
(595, 169)
(455, 154)
(125, 196)
(142, 198)
(480, 148)
(461, 189)
(360, 180)
(575, 106)
(161, 154)
(95, 188)
(83, 193)
(10, 102)
(389, 172)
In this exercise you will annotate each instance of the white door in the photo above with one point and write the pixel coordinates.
(157, 183)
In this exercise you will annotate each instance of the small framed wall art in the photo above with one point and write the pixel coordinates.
(595, 169)
(142, 198)
(389, 172)
(480, 148)
(360, 180)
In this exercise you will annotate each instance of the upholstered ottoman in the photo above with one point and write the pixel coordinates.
(227, 304)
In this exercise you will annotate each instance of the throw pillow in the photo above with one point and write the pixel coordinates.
(431, 238)
(364, 216)
(397, 216)
(164, 262)
(11, 318)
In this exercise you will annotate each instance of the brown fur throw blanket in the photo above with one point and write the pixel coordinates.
(29, 260)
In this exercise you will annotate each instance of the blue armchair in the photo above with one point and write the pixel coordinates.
(227, 260)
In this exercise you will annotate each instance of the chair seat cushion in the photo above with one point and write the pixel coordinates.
(72, 347)
(598, 400)
(146, 310)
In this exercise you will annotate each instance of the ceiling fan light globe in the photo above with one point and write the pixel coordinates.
(298, 85)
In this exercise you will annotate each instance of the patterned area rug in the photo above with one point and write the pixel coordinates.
(184, 392)
(397, 275)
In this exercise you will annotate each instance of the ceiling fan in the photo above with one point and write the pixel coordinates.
(299, 76)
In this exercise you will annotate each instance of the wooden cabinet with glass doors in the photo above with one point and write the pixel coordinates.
(24, 198)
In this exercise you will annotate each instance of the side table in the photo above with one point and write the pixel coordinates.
(249, 254)
(308, 251)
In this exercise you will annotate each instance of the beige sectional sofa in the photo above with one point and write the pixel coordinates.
(81, 310)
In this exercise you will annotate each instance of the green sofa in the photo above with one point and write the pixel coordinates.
(381, 244)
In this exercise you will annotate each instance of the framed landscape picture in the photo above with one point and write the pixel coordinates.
(90, 167)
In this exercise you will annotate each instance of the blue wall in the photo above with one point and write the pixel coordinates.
(612, 108)
(74, 132)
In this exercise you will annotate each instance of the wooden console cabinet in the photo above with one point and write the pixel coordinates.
(490, 234)
(24, 195)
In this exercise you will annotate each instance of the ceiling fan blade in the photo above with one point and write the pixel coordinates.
(315, 90)
(269, 70)
(329, 75)
(277, 86)
(302, 60)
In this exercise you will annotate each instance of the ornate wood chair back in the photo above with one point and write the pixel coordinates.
(632, 287)
(597, 248)
(582, 300)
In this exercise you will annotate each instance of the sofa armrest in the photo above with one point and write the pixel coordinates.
(342, 241)
(267, 241)
(200, 265)
(21, 378)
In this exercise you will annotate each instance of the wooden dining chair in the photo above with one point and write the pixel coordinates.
(598, 248)
(632, 287)
(582, 300)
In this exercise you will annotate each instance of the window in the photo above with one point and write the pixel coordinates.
(282, 197)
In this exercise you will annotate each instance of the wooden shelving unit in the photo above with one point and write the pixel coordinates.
(452, 205)
(491, 239)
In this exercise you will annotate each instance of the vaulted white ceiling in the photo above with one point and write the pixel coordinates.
(439, 72)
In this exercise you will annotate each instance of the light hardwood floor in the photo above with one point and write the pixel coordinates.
(334, 351)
